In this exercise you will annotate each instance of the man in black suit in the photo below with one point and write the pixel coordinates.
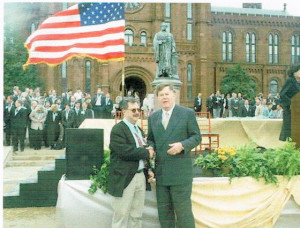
(198, 103)
(98, 103)
(85, 113)
(9, 106)
(67, 119)
(77, 114)
(18, 120)
(128, 170)
(173, 132)
(246, 109)
(109, 104)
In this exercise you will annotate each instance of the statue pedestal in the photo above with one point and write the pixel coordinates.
(295, 123)
(175, 82)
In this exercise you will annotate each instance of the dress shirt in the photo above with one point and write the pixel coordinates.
(164, 114)
(135, 130)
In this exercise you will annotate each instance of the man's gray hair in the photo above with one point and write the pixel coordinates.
(126, 100)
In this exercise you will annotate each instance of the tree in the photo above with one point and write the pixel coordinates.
(238, 80)
(15, 55)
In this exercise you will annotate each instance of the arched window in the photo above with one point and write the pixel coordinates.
(250, 48)
(295, 49)
(64, 71)
(143, 38)
(189, 80)
(274, 87)
(273, 46)
(88, 76)
(227, 46)
(129, 37)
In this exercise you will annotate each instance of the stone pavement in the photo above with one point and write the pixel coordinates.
(30, 217)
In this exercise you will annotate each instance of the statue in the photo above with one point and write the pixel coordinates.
(165, 53)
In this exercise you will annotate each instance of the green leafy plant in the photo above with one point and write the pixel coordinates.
(253, 162)
(99, 176)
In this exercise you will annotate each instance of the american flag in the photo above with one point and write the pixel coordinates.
(93, 30)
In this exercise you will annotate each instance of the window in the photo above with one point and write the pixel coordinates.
(189, 81)
(64, 68)
(129, 37)
(250, 48)
(32, 27)
(227, 49)
(189, 31)
(167, 10)
(88, 76)
(143, 38)
(189, 25)
(273, 43)
(274, 88)
(189, 13)
(295, 52)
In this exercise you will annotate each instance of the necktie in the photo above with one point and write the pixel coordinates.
(16, 112)
(137, 137)
(67, 115)
(166, 120)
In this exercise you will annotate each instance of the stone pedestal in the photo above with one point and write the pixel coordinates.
(175, 82)
(295, 123)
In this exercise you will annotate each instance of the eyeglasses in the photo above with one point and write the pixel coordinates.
(134, 110)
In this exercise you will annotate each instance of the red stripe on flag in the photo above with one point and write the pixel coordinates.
(73, 36)
(104, 57)
(60, 25)
(67, 13)
(79, 45)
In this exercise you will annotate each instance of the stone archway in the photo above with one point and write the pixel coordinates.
(135, 84)
(134, 75)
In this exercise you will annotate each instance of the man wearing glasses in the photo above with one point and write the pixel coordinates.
(129, 167)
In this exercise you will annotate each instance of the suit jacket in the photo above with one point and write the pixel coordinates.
(290, 88)
(37, 120)
(245, 112)
(182, 127)
(68, 123)
(94, 100)
(124, 159)
(87, 114)
(18, 121)
(77, 118)
(197, 106)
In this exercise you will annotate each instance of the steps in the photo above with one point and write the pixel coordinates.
(31, 178)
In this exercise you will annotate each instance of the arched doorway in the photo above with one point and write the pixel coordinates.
(133, 84)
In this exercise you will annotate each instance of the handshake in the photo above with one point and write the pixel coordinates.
(151, 151)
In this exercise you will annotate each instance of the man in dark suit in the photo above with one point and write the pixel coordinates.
(198, 103)
(98, 103)
(109, 104)
(9, 106)
(128, 170)
(85, 113)
(246, 110)
(173, 132)
(67, 119)
(18, 120)
(77, 114)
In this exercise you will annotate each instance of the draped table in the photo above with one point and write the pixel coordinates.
(245, 202)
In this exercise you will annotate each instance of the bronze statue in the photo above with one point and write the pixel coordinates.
(165, 53)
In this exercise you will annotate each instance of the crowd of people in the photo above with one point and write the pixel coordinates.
(237, 105)
(43, 115)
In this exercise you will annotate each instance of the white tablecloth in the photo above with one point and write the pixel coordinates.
(76, 208)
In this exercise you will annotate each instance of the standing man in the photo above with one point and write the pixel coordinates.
(173, 132)
(9, 106)
(198, 103)
(98, 103)
(109, 104)
(18, 120)
(128, 170)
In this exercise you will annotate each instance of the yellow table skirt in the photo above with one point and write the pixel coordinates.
(245, 202)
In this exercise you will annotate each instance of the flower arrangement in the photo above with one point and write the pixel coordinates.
(250, 160)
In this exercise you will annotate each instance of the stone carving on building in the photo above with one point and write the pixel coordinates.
(165, 54)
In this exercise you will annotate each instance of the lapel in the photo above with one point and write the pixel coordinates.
(128, 133)
(173, 122)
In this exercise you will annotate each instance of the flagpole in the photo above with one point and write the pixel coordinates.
(123, 79)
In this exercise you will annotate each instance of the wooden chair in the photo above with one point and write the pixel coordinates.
(118, 116)
(210, 140)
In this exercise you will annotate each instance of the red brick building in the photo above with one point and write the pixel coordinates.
(208, 39)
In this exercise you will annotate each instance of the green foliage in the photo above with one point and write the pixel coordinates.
(15, 55)
(237, 80)
(99, 178)
(250, 161)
